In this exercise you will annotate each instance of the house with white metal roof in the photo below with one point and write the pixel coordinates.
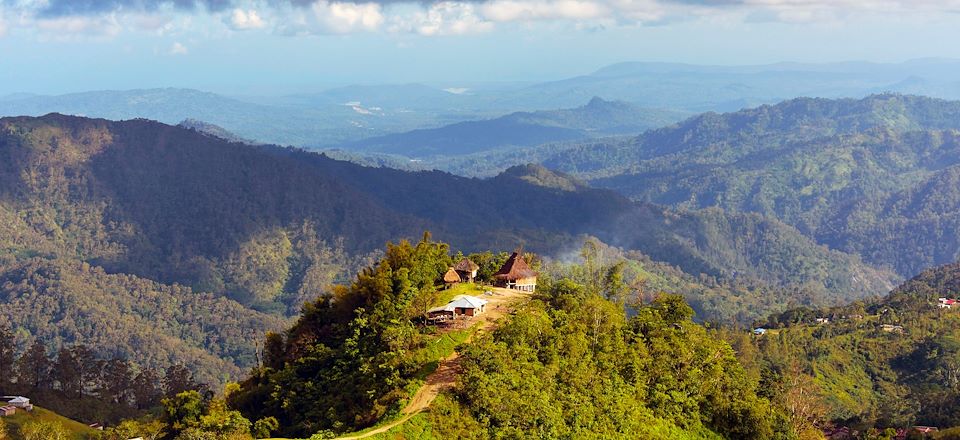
(460, 305)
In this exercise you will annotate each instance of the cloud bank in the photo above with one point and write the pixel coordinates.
(424, 17)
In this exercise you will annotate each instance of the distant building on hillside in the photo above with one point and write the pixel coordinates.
(945, 303)
(759, 331)
(459, 306)
(8, 410)
(467, 270)
(451, 277)
(19, 402)
(516, 274)
(890, 328)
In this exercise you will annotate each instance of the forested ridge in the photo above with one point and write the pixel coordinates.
(888, 363)
(869, 176)
(108, 226)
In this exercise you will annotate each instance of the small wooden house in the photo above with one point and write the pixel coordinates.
(459, 306)
(451, 277)
(467, 270)
(516, 274)
(8, 410)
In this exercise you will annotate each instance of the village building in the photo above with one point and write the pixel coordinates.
(945, 303)
(516, 274)
(19, 402)
(467, 270)
(459, 306)
(890, 328)
(8, 410)
(451, 277)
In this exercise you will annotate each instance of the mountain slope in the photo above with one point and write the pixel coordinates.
(259, 224)
(598, 117)
(887, 363)
(827, 167)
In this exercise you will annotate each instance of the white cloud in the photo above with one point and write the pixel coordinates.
(445, 18)
(533, 10)
(344, 18)
(245, 19)
(178, 49)
(64, 28)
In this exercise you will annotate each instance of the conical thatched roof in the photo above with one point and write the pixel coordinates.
(465, 265)
(451, 276)
(514, 269)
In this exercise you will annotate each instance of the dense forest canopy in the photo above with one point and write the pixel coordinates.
(872, 176)
(887, 363)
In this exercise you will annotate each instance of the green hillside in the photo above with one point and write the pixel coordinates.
(886, 363)
(75, 430)
(165, 246)
(853, 174)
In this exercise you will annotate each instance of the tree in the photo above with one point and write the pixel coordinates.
(115, 381)
(127, 429)
(423, 300)
(613, 284)
(67, 373)
(44, 430)
(33, 367)
(183, 411)
(179, 379)
(89, 367)
(8, 350)
(147, 389)
(265, 426)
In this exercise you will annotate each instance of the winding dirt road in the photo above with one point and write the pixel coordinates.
(445, 377)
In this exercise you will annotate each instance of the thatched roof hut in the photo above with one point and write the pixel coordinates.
(465, 265)
(451, 277)
(467, 270)
(516, 274)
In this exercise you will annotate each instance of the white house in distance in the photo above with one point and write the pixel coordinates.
(945, 303)
(19, 402)
(460, 305)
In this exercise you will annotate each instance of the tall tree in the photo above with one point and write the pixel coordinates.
(147, 389)
(33, 367)
(178, 379)
(66, 373)
(8, 350)
(89, 367)
(115, 381)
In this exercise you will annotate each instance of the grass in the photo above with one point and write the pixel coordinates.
(416, 428)
(78, 430)
(471, 289)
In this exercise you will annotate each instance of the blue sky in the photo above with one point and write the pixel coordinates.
(285, 46)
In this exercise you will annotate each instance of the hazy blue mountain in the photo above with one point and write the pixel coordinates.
(521, 129)
(324, 124)
(725, 88)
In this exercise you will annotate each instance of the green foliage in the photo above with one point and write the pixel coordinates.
(43, 430)
(151, 324)
(574, 366)
(348, 360)
(189, 416)
(854, 373)
(264, 427)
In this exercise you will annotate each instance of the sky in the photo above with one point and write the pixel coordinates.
(267, 47)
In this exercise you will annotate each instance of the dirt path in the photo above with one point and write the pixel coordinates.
(445, 377)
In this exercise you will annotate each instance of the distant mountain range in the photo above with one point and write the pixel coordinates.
(520, 129)
(339, 116)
